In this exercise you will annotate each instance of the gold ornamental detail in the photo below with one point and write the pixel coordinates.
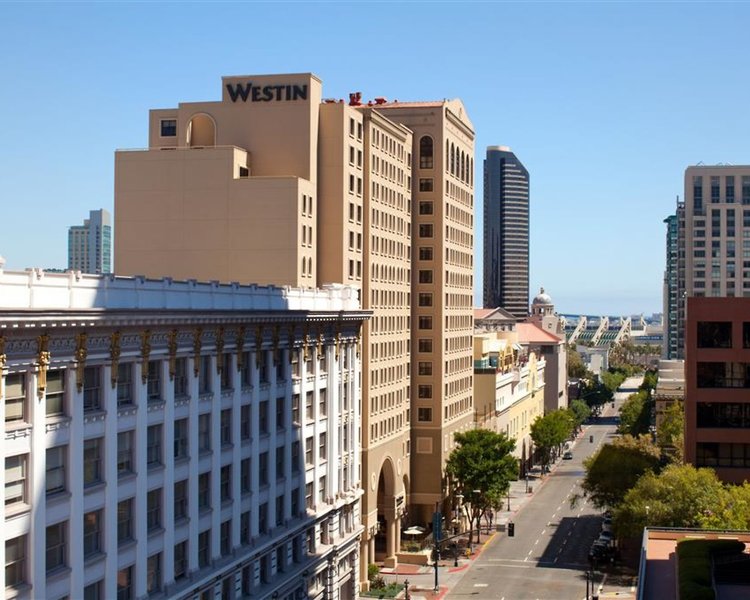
(145, 354)
(80, 359)
(42, 359)
(114, 357)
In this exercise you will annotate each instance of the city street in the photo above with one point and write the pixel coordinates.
(548, 557)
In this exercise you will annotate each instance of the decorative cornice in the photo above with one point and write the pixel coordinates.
(80, 359)
(43, 359)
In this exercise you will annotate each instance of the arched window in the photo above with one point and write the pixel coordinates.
(463, 166)
(425, 152)
(201, 131)
(453, 160)
(447, 154)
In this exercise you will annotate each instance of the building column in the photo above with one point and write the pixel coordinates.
(167, 492)
(236, 450)
(75, 479)
(194, 454)
(37, 476)
(110, 477)
(255, 443)
(141, 468)
(215, 550)
(390, 539)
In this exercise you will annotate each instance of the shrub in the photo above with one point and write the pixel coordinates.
(694, 564)
(372, 571)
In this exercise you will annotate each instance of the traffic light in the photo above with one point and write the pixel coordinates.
(511, 529)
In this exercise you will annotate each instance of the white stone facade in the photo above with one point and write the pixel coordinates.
(178, 439)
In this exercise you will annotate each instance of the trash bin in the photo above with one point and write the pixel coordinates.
(531, 489)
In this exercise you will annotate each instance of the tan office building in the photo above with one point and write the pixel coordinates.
(273, 185)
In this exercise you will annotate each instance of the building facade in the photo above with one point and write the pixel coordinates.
(717, 220)
(717, 379)
(273, 184)
(674, 285)
(179, 440)
(506, 232)
(90, 244)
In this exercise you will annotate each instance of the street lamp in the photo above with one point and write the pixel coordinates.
(406, 589)
(477, 493)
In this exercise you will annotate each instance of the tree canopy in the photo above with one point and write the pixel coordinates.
(482, 467)
(576, 368)
(551, 431)
(670, 432)
(580, 411)
(616, 468)
(635, 414)
(682, 496)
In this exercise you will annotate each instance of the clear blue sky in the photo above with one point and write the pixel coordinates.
(605, 103)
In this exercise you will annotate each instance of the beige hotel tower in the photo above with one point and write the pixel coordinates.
(274, 185)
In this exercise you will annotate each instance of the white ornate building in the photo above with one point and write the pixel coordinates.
(170, 439)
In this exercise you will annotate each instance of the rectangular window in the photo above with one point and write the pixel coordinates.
(425, 345)
(55, 393)
(181, 441)
(425, 184)
(153, 510)
(425, 322)
(226, 427)
(245, 476)
(92, 389)
(15, 561)
(714, 334)
(225, 538)
(263, 468)
(309, 451)
(246, 372)
(168, 127)
(295, 409)
(92, 461)
(204, 432)
(124, 521)
(204, 491)
(280, 412)
(55, 470)
(263, 518)
(226, 372)
(124, 453)
(180, 560)
(263, 416)
(180, 500)
(322, 446)
(323, 403)
(56, 547)
(309, 495)
(245, 528)
(245, 422)
(322, 489)
(154, 381)
(204, 375)
(124, 384)
(425, 299)
(425, 253)
(309, 406)
(125, 584)
(15, 398)
(425, 206)
(424, 414)
(15, 481)
(153, 573)
(425, 276)
(424, 391)
(225, 485)
(295, 456)
(204, 548)
(94, 591)
(153, 446)
(425, 368)
(181, 377)
(279, 462)
(92, 533)
(425, 230)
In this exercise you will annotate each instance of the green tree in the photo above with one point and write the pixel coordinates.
(635, 414)
(669, 433)
(616, 468)
(682, 496)
(580, 411)
(612, 380)
(550, 431)
(482, 467)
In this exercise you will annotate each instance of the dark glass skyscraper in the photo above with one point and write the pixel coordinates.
(506, 232)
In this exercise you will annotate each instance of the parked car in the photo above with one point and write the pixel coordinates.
(607, 527)
(568, 455)
(605, 537)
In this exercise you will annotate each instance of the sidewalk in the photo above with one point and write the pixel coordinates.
(422, 578)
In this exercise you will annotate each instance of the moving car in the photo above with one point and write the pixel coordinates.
(568, 455)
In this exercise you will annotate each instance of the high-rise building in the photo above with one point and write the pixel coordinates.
(717, 253)
(274, 185)
(506, 232)
(674, 284)
(90, 244)
(178, 439)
